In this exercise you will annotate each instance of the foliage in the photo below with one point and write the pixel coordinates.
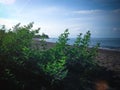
(42, 36)
(15, 51)
(80, 59)
(56, 69)
(26, 67)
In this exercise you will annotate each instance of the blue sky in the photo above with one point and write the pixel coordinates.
(101, 17)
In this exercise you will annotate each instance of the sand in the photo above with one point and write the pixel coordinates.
(106, 58)
(109, 59)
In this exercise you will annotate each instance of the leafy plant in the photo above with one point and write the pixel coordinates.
(27, 66)
(56, 69)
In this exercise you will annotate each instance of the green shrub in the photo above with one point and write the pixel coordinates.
(56, 69)
(24, 65)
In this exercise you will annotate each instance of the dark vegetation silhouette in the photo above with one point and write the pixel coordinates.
(62, 67)
(42, 36)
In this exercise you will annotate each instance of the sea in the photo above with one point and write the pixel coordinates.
(105, 43)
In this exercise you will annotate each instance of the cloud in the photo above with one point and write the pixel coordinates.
(7, 1)
(37, 12)
(104, 16)
(8, 22)
(116, 29)
(117, 11)
(53, 20)
(114, 11)
(87, 11)
(45, 17)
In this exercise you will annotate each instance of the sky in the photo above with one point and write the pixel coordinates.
(100, 17)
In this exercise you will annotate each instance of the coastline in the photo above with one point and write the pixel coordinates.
(108, 58)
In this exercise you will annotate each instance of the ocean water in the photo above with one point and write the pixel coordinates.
(105, 43)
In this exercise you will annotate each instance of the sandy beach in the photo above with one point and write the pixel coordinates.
(109, 59)
(106, 58)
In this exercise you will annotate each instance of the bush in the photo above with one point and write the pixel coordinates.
(27, 67)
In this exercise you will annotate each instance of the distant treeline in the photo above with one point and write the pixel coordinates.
(42, 36)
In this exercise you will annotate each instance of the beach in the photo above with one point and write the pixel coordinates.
(109, 59)
(106, 58)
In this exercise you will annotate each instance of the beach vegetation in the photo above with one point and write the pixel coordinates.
(62, 67)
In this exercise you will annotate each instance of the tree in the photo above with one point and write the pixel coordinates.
(41, 36)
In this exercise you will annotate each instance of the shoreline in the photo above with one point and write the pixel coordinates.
(106, 57)
(115, 46)
(109, 49)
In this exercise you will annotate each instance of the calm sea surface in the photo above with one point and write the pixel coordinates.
(105, 43)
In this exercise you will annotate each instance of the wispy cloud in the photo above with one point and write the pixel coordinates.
(88, 11)
(7, 1)
(96, 15)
